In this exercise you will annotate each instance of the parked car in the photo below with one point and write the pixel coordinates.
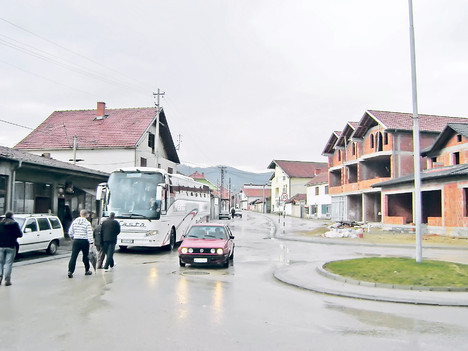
(238, 213)
(207, 243)
(40, 232)
(224, 214)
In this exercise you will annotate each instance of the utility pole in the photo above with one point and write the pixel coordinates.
(416, 147)
(230, 204)
(156, 137)
(223, 169)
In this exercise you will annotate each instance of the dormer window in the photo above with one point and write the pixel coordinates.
(459, 138)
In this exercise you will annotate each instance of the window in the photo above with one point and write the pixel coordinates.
(459, 138)
(24, 197)
(31, 224)
(372, 141)
(151, 141)
(317, 190)
(43, 223)
(55, 223)
(339, 155)
(143, 162)
(326, 189)
(456, 158)
(325, 210)
(385, 138)
(379, 141)
(3, 191)
(354, 149)
(170, 170)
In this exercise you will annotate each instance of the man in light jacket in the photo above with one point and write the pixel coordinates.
(82, 234)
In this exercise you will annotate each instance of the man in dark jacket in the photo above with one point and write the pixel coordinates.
(110, 228)
(9, 233)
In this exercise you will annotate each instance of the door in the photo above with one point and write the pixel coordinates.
(45, 233)
(30, 239)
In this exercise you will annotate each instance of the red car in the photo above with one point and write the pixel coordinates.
(207, 243)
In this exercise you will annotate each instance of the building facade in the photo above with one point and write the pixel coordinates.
(105, 139)
(376, 149)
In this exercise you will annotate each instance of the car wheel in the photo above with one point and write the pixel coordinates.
(232, 255)
(181, 263)
(52, 249)
(123, 248)
(226, 264)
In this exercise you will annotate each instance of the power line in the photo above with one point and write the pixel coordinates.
(74, 52)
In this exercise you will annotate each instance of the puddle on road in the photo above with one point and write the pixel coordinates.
(387, 322)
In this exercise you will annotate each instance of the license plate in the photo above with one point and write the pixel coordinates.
(126, 241)
(200, 260)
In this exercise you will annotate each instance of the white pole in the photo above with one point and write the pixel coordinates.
(416, 147)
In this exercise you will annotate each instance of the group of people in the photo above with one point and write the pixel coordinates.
(103, 237)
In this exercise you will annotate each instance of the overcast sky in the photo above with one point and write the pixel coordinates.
(245, 81)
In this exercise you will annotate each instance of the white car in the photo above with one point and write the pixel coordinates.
(40, 232)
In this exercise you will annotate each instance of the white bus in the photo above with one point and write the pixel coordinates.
(154, 208)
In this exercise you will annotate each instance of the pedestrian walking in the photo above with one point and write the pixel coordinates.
(110, 228)
(9, 234)
(99, 245)
(82, 234)
(233, 212)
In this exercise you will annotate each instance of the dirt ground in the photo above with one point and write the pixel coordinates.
(377, 235)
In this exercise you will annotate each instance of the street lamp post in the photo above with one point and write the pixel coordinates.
(416, 146)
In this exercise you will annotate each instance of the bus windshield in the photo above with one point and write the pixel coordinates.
(133, 195)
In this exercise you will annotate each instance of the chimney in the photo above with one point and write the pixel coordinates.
(101, 110)
(317, 171)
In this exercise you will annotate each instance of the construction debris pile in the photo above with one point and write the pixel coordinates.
(345, 230)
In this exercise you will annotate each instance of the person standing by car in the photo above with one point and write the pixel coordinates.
(82, 234)
(9, 233)
(110, 228)
(233, 212)
(99, 245)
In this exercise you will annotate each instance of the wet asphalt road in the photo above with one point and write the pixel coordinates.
(148, 302)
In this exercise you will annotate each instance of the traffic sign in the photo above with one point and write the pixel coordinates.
(284, 196)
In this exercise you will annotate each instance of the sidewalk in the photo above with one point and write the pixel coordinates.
(312, 276)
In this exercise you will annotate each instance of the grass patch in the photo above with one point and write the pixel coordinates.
(402, 271)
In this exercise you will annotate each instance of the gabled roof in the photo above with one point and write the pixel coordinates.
(347, 133)
(296, 198)
(255, 192)
(329, 148)
(320, 178)
(119, 128)
(444, 136)
(299, 169)
(428, 174)
(403, 122)
(25, 157)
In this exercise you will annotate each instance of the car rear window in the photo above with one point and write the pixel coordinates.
(55, 223)
(43, 223)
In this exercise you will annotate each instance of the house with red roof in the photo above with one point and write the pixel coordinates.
(255, 197)
(318, 201)
(377, 149)
(200, 177)
(290, 178)
(105, 139)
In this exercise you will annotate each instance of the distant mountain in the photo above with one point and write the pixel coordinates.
(238, 177)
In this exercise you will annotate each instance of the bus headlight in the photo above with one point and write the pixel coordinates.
(219, 251)
(184, 250)
(151, 233)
